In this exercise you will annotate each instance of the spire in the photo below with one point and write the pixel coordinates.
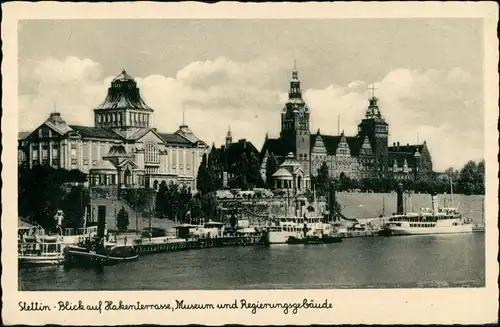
(229, 137)
(295, 93)
(183, 119)
(373, 111)
(295, 74)
(373, 88)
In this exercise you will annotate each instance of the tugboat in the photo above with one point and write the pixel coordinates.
(99, 252)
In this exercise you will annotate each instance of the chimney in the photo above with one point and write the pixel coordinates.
(331, 202)
(434, 203)
(399, 207)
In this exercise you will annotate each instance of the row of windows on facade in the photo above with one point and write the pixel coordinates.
(118, 117)
(55, 155)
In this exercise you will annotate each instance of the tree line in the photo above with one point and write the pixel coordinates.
(242, 168)
(468, 180)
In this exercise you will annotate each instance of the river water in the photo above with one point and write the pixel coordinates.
(373, 262)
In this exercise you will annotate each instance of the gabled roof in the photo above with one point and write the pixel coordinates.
(400, 158)
(140, 132)
(95, 132)
(331, 143)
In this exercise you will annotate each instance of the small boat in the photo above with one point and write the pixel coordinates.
(103, 255)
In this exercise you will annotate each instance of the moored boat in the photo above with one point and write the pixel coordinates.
(438, 220)
(110, 254)
(40, 250)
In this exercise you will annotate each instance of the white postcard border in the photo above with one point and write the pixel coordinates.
(404, 306)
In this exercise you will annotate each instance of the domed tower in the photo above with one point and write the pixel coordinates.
(375, 127)
(123, 107)
(295, 123)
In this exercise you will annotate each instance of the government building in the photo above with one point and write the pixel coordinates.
(122, 148)
(365, 155)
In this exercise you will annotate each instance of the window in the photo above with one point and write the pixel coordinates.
(45, 151)
(55, 150)
(151, 152)
(73, 152)
(35, 154)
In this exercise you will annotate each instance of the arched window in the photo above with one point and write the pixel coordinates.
(151, 152)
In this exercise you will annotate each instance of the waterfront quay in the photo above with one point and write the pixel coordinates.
(162, 244)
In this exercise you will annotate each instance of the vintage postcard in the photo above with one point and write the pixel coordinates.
(232, 163)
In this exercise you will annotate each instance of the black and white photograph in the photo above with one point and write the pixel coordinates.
(250, 154)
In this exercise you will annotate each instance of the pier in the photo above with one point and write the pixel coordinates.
(165, 244)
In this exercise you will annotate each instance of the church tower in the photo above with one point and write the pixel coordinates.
(295, 132)
(229, 138)
(123, 107)
(376, 129)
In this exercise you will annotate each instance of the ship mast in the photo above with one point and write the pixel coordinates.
(451, 190)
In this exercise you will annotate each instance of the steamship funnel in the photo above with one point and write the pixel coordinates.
(399, 209)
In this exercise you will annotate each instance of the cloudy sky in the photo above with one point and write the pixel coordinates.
(428, 75)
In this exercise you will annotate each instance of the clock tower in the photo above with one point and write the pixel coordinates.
(295, 123)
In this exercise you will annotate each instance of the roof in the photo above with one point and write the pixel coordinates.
(103, 165)
(95, 132)
(276, 147)
(406, 148)
(400, 158)
(117, 150)
(174, 139)
(331, 143)
(124, 94)
(185, 132)
(231, 154)
(22, 135)
(282, 172)
(290, 161)
(123, 77)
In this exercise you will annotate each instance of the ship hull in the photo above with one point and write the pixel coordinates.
(396, 231)
(42, 260)
(280, 237)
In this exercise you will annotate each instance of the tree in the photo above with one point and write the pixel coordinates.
(40, 191)
(322, 180)
(209, 205)
(204, 179)
(122, 220)
(480, 178)
(253, 172)
(468, 180)
(271, 168)
(73, 205)
(161, 200)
